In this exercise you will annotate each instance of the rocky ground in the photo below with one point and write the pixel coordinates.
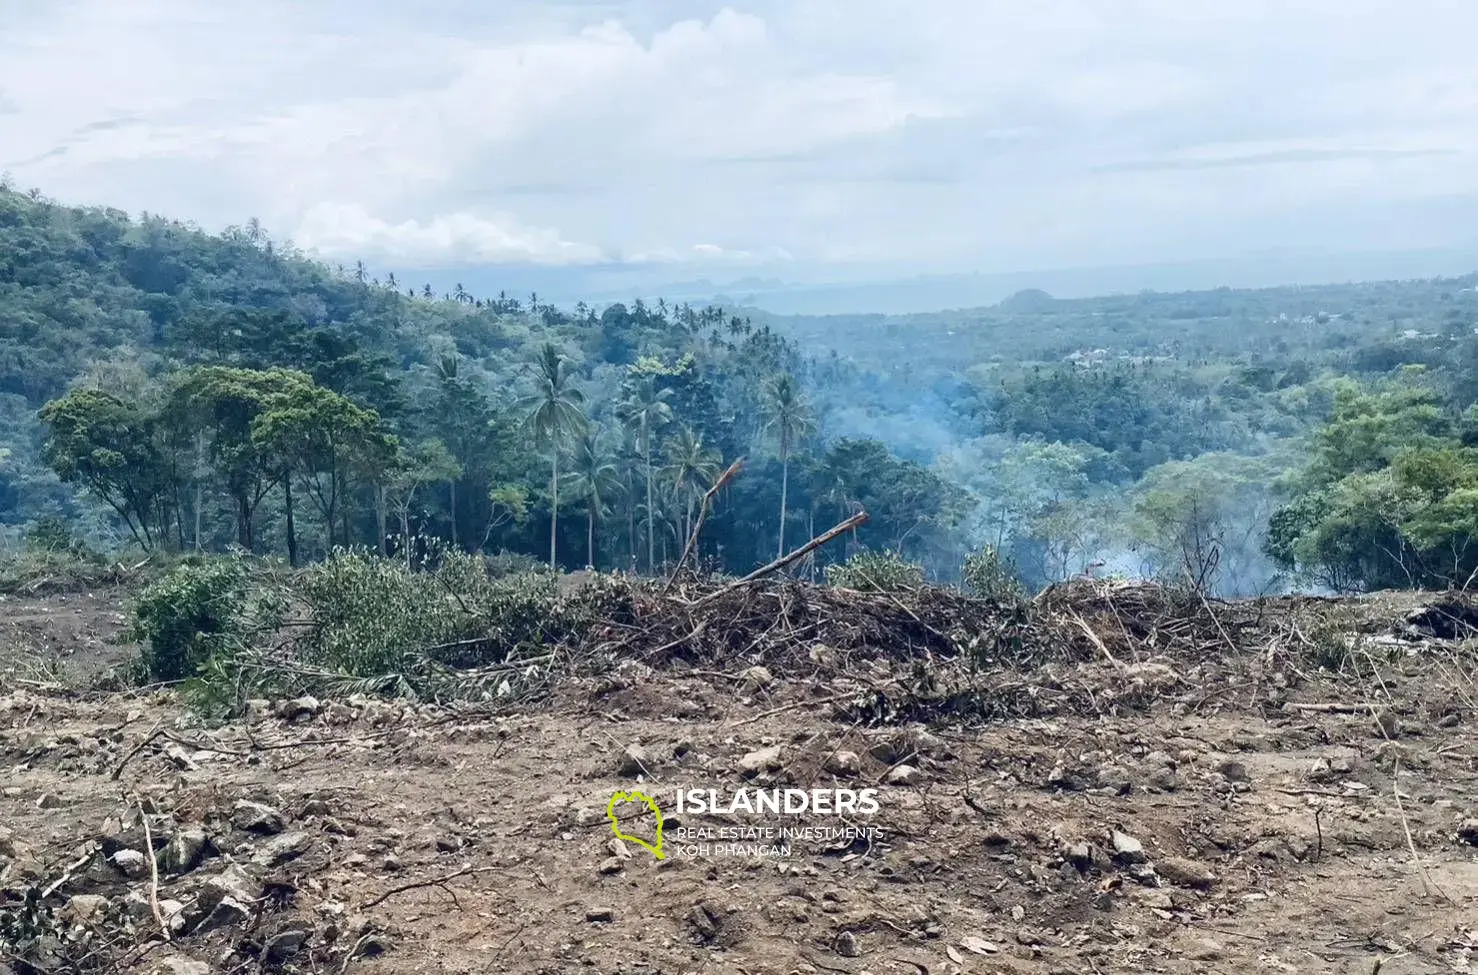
(1229, 815)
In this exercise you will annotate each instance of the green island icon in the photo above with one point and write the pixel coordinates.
(620, 797)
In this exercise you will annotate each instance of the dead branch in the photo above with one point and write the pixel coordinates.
(155, 732)
(153, 875)
(703, 510)
(433, 882)
(860, 518)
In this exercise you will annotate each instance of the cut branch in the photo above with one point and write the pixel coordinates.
(707, 505)
(860, 518)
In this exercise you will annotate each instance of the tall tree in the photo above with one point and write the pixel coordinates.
(112, 447)
(554, 415)
(692, 465)
(789, 420)
(223, 402)
(428, 462)
(594, 478)
(645, 410)
(324, 439)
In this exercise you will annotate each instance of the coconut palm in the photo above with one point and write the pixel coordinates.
(594, 477)
(691, 466)
(645, 410)
(789, 419)
(553, 416)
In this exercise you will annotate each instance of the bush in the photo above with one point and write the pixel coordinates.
(988, 576)
(367, 613)
(51, 534)
(196, 610)
(869, 571)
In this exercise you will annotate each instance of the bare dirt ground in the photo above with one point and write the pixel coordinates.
(68, 635)
(1241, 818)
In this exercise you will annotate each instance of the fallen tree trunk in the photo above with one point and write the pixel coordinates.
(860, 518)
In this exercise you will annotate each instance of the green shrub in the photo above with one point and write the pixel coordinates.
(194, 611)
(51, 534)
(870, 571)
(367, 613)
(988, 576)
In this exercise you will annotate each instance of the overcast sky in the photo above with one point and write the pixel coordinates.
(783, 136)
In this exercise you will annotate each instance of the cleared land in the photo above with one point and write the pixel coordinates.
(1173, 790)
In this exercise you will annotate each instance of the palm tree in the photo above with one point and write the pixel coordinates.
(594, 478)
(789, 420)
(553, 415)
(692, 465)
(644, 411)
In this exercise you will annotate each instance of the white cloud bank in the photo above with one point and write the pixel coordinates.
(946, 134)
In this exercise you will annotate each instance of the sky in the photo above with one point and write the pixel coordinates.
(803, 139)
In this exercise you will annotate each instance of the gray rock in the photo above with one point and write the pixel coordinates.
(174, 915)
(762, 760)
(280, 849)
(600, 915)
(1079, 855)
(902, 775)
(306, 706)
(847, 945)
(233, 883)
(179, 965)
(87, 907)
(1205, 950)
(610, 865)
(1234, 771)
(1467, 831)
(131, 863)
(1127, 849)
(256, 817)
(228, 912)
(845, 764)
(1185, 873)
(184, 850)
(634, 761)
(285, 943)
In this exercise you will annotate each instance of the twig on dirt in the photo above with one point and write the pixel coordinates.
(703, 510)
(1428, 884)
(201, 746)
(155, 732)
(860, 518)
(433, 882)
(57, 884)
(1333, 708)
(153, 875)
(792, 706)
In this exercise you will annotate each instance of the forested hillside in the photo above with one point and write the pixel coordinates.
(169, 389)
(196, 391)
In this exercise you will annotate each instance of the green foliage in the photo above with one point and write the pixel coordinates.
(113, 449)
(1388, 500)
(51, 534)
(195, 611)
(369, 615)
(987, 575)
(876, 571)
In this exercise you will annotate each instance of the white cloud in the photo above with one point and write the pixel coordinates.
(940, 133)
(346, 229)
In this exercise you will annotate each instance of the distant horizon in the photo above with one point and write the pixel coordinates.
(959, 291)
